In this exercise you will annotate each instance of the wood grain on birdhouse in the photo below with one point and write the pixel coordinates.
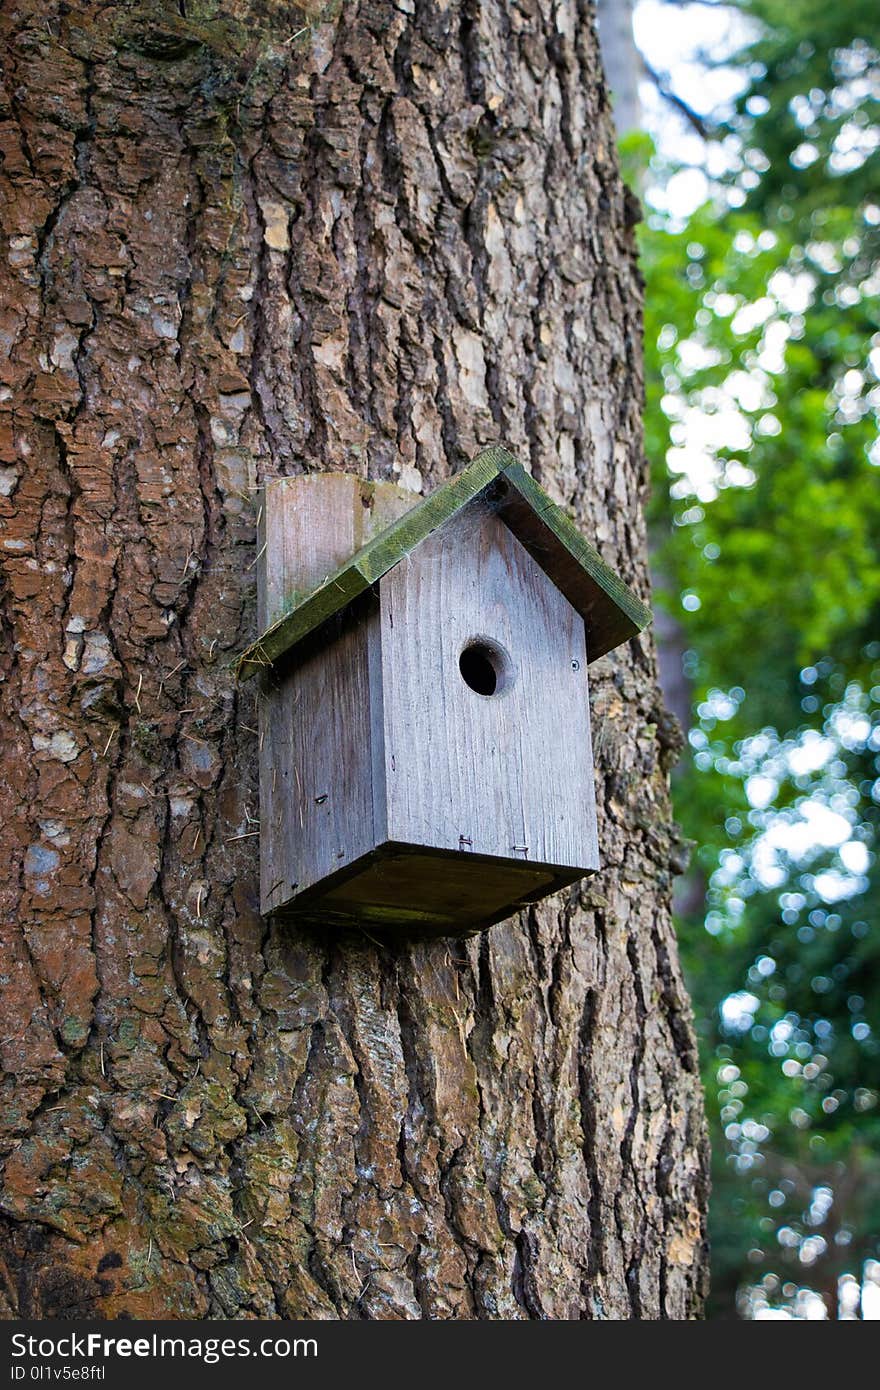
(485, 700)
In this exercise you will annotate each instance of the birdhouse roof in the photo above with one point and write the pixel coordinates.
(610, 610)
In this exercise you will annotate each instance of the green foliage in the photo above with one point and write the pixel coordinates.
(763, 366)
(809, 112)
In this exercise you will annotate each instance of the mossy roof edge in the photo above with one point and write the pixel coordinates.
(611, 611)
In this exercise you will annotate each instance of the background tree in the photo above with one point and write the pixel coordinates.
(243, 241)
(763, 347)
(622, 62)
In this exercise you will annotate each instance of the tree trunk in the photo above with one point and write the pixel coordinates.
(245, 241)
(623, 65)
(622, 62)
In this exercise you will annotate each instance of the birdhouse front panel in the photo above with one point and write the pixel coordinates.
(485, 701)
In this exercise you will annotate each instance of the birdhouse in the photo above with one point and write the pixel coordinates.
(425, 755)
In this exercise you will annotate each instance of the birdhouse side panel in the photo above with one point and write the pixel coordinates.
(501, 769)
(317, 760)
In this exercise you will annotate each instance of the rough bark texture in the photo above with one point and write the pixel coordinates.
(240, 245)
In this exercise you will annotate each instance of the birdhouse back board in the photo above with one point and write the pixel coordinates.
(315, 707)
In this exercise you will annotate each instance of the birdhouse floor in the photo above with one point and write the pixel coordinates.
(467, 892)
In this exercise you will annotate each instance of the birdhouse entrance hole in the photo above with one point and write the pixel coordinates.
(485, 667)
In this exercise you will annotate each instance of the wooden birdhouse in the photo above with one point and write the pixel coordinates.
(425, 756)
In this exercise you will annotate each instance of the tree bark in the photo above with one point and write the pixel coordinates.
(241, 242)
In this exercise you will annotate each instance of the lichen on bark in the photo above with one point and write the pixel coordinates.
(245, 242)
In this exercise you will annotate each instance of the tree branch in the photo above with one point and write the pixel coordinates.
(662, 83)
